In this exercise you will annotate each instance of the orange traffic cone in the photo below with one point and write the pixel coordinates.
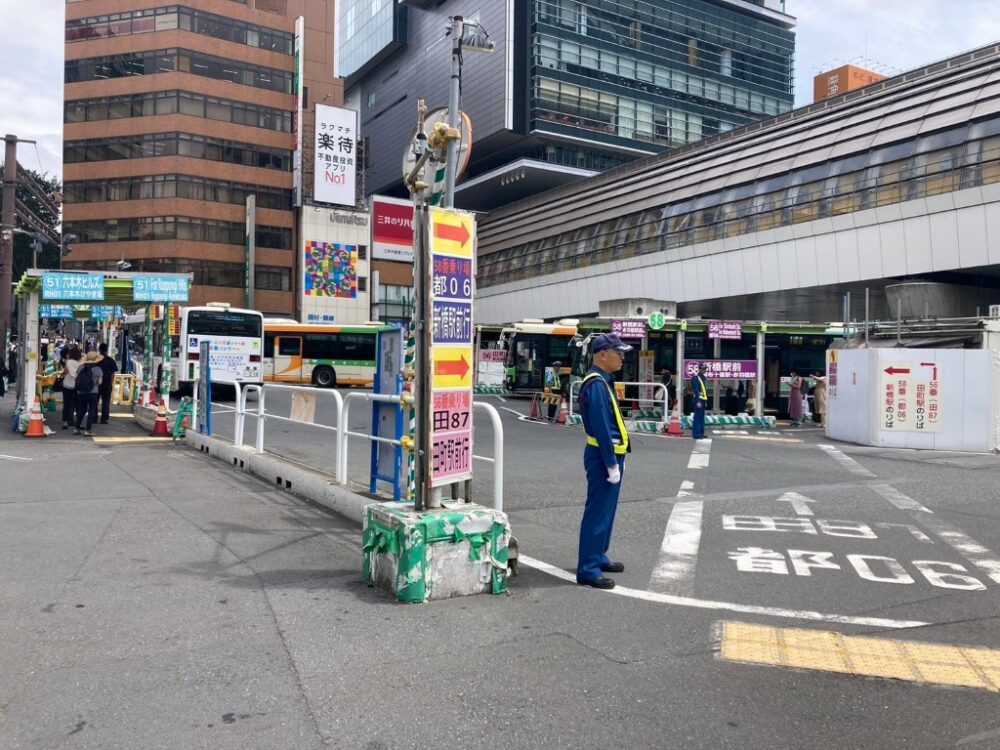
(536, 411)
(674, 428)
(160, 426)
(36, 422)
(151, 397)
(563, 411)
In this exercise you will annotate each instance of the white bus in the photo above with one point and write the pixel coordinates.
(236, 337)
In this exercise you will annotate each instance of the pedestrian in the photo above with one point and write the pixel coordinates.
(70, 368)
(603, 461)
(819, 397)
(88, 387)
(3, 378)
(667, 379)
(699, 392)
(108, 369)
(795, 408)
(553, 384)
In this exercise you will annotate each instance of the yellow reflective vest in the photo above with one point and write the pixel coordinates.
(620, 448)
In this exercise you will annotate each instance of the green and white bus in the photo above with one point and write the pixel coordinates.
(324, 355)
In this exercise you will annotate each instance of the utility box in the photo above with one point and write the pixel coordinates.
(437, 553)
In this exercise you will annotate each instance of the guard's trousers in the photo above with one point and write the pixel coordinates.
(698, 428)
(598, 515)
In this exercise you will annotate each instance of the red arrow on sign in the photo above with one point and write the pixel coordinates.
(897, 371)
(451, 233)
(459, 368)
(930, 364)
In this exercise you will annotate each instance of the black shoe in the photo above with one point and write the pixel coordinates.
(103, 421)
(615, 567)
(598, 583)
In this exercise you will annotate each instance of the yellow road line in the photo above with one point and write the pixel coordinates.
(862, 656)
(759, 437)
(123, 416)
(139, 439)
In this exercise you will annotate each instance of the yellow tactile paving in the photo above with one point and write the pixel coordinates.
(862, 656)
(138, 439)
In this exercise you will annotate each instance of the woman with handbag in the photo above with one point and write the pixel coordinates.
(70, 369)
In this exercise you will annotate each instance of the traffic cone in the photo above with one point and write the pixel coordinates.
(674, 429)
(536, 412)
(563, 411)
(160, 426)
(36, 423)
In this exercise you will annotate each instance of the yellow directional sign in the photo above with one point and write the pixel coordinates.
(452, 367)
(453, 233)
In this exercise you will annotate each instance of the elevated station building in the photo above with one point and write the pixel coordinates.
(776, 220)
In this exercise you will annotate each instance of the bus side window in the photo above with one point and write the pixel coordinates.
(268, 344)
(290, 347)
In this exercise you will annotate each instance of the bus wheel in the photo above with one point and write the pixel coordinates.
(324, 377)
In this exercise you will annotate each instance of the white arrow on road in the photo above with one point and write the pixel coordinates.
(4, 457)
(800, 503)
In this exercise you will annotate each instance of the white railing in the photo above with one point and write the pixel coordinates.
(341, 426)
(577, 384)
(497, 459)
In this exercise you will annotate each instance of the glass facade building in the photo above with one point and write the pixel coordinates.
(655, 75)
(365, 29)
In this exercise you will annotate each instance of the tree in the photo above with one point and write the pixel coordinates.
(23, 255)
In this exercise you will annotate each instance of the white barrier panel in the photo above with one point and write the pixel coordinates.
(938, 399)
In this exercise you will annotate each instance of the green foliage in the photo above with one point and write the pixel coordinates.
(49, 257)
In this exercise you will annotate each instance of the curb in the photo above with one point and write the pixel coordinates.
(289, 477)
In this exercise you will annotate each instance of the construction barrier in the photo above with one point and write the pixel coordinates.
(123, 389)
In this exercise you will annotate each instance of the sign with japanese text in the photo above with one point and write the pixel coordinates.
(160, 289)
(298, 86)
(392, 229)
(724, 369)
(629, 329)
(646, 375)
(452, 243)
(62, 312)
(334, 171)
(73, 286)
(910, 397)
(725, 329)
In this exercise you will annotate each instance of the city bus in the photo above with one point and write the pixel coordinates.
(526, 348)
(236, 338)
(324, 355)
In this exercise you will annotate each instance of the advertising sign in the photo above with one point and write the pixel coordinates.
(73, 286)
(452, 240)
(159, 289)
(725, 329)
(629, 329)
(646, 375)
(910, 398)
(492, 367)
(331, 270)
(723, 369)
(336, 148)
(392, 229)
(298, 87)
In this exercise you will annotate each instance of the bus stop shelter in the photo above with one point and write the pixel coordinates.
(42, 290)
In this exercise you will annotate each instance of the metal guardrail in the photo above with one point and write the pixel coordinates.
(341, 428)
(577, 384)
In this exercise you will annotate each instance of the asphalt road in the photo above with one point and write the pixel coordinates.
(168, 602)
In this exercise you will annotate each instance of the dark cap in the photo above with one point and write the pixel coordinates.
(608, 341)
(702, 366)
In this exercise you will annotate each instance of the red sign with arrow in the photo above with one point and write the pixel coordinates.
(897, 370)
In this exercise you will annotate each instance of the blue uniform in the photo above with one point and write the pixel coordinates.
(603, 425)
(699, 389)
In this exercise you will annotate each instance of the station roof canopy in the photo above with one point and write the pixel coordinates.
(118, 288)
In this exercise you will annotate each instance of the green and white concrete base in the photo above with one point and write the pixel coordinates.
(436, 554)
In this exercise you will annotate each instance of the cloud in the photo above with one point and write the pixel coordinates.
(31, 80)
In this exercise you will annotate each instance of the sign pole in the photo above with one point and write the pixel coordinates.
(424, 498)
(249, 278)
(759, 402)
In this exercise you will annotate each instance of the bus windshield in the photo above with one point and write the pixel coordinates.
(221, 323)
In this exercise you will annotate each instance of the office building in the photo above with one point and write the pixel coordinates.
(843, 79)
(174, 114)
(573, 87)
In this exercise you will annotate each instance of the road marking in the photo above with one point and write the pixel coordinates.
(861, 656)
(139, 439)
(800, 503)
(684, 601)
(674, 571)
(13, 458)
(123, 416)
(700, 454)
(898, 499)
(846, 461)
(761, 438)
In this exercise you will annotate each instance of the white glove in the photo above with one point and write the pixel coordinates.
(614, 474)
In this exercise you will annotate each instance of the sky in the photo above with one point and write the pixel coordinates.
(890, 36)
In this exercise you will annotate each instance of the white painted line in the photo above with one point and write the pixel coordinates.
(13, 458)
(846, 461)
(898, 499)
(800, 503)
(684, 601)
(674, 571)
(700, 454)
(687, 488)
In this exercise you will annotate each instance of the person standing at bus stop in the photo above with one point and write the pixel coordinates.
(699, 392)
(603, 461)
(108, 369)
